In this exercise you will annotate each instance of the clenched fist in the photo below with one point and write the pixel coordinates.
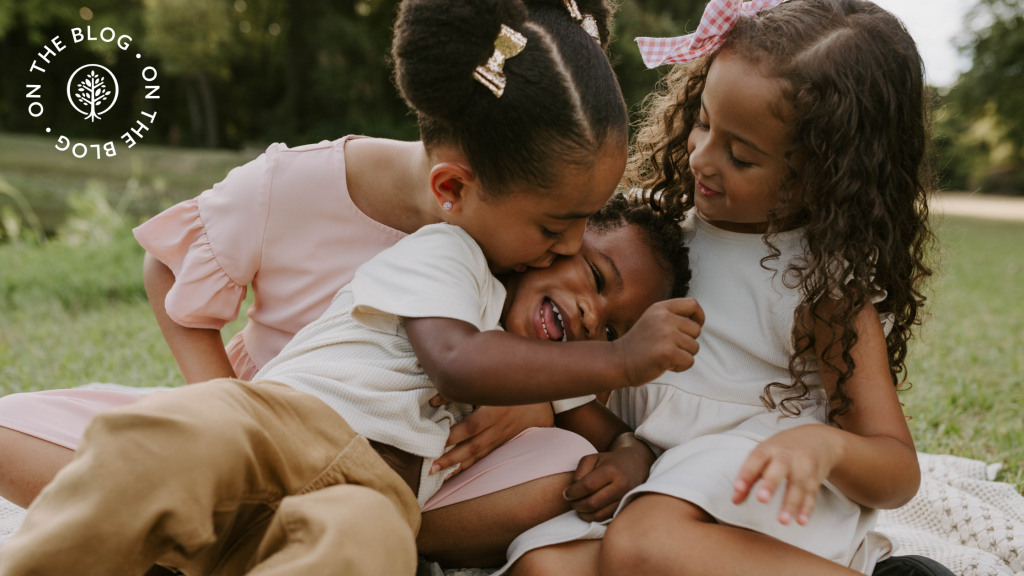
(665, 338)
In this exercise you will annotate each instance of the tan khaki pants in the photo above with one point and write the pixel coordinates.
(225, 478)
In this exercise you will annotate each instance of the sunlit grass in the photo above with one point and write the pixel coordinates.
(968, 365)
(164, 175)
(74, 315)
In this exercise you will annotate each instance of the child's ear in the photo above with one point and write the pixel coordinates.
(449, 182)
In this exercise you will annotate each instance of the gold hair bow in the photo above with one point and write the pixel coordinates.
(508, 44)
(588, 22)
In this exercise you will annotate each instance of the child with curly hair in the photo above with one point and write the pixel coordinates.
(795, 138)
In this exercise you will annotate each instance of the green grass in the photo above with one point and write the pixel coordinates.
(968, 365)
(166, 175)
(69, 316)
(73, 315)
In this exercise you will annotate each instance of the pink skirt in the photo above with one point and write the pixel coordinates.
(61, 416)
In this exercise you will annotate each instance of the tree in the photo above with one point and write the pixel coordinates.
(985, 109)
(27, 25)
(647, 18)
(237, 72)
(997, 67)
(194, 39)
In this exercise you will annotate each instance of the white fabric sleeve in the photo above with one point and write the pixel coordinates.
(439, 271)
(560, 406)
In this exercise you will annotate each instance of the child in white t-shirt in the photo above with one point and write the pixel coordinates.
(230, 471)
(430, 305)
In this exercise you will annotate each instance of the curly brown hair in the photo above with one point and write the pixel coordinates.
(662, 233)
(861, 134)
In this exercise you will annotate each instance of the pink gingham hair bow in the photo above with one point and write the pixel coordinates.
(719, 17)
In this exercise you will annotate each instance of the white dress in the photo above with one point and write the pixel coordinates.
(703, 423)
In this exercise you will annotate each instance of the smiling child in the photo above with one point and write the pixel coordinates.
(243, 477)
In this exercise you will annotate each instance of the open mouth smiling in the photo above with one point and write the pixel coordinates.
(552, 326)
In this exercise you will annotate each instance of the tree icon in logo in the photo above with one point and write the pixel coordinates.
(92, 91)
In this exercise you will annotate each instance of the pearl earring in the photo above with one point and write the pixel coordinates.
(447, 206)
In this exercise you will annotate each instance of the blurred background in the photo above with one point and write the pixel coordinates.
(237, 75)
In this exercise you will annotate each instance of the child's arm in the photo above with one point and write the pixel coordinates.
(601, 480)
(871, 459)
(199, 352)
(497, 368)
(878, 466)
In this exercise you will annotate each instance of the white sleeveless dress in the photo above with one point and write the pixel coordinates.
(703, 423)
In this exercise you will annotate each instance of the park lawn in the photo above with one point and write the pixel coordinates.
(163, 175)
(69, 316)
(74, 315)
(967, 367)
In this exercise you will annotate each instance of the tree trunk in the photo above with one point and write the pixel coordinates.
(290, 113)
(210, 107)
(195, 110)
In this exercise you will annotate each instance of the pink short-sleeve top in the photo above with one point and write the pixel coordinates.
(283, 223)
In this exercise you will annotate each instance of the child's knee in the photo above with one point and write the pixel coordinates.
(623, 548)
(535, 563)
(636, 543)
(567, 559)
(630, 540)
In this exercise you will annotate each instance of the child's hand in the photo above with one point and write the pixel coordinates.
(664, 338)
(601, 480)
(803, 457)
(487, 428)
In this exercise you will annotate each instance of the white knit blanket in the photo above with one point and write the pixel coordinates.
(960, 517)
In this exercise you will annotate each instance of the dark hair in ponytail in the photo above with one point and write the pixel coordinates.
(561, 102)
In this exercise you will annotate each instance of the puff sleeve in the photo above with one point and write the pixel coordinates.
(877, 295)
(213, 244)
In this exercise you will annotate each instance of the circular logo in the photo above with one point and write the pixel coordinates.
(92, 91)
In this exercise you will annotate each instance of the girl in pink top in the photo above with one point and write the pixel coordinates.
(296, 223)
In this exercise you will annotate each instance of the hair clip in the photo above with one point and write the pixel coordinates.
(492, 75)
(590, 25)
(588, 22)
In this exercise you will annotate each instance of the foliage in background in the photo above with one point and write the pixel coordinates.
(980, 122)
(139, 182)
(93, 221)
(237, 73)
(233, 74)
(257, 71)
(27, 25)
(10, 219)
